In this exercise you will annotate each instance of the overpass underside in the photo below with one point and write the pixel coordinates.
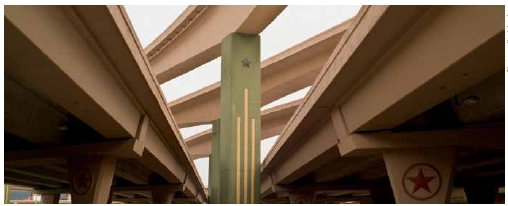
(406, 106)
(409, 108)
(83, 113)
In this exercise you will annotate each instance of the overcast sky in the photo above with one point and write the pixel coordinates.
(294, 25)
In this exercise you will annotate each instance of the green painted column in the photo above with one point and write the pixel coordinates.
(240, 119)
(214, 179)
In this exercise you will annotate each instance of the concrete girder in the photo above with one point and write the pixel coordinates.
(282, 74)
(399, 34)
(104, 78)
(382, 32)
(195, 37)
(78, 81)
(273, 121)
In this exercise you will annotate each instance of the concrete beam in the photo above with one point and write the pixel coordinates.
(273, 121)
(112, 30)
(195, 37)
(282, 74)
(399, 34)
(452, 63)
(39, 172)
(318, 149)
(79, 81)
(119, 148)
(373, 143)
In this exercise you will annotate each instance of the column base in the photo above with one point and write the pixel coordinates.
(91, 178)
(421, 175)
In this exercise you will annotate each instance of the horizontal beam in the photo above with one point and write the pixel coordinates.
(130, 170)
(402, 84)
(176, 200)
(171, 188)
(343, 167)
(39, 172)
(139, 188)
(360, 185)
(30, 180)
(382, 48)
(374, 143)
(318, 149)
(119, 148)
(273, 121)
(81, 81)
(196, 40)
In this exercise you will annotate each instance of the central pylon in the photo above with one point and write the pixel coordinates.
(239, 153)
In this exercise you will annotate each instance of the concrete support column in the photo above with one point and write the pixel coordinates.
(91, 178)
(240, 119)
(302, 197)
(50, 198)
(214, 177)
(163, 195)
(381, 192)
(110, 198)
(421, 175)
(481, 191)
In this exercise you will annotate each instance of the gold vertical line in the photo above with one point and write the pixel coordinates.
(238, 123)
(246, 136)
(253, 165)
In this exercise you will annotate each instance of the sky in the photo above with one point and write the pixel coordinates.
(294, 25)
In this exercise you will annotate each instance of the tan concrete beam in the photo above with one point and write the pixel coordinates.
(273, 121)
(282, 74)
(157, 110)
(318, 149)
(194, 38)
(130, 170)
(41, 173)
(141, 200)
(119, 148)
(78, 81)
(112, 30)
(158, 158)
(371, 143)
(457, 55)
(343, 167)
(98, 41)
(265, 186)
(174, 188)
(31, 180)
(394, 29)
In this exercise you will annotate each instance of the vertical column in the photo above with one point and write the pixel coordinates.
(381, 192)
(50, 198)
(163, 194)
(240, 119)
(214, 180)
(301, 197)
(91, 178)
(481, 191)
(422, 175)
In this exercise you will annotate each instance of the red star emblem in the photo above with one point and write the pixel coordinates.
(421, 181)
(301, 200)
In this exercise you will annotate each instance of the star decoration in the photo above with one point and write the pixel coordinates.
(246, 62)
(82, 181)
(300, 200)
(421, 181)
